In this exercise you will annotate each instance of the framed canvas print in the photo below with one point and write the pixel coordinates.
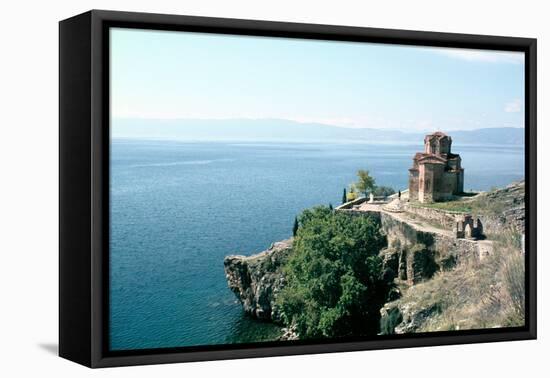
(235, 188)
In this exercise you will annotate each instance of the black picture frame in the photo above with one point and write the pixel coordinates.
(84, 191)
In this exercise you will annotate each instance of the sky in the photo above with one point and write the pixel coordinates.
(172, 75)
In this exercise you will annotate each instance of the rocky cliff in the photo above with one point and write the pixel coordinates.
(502, 208)
(257, 279)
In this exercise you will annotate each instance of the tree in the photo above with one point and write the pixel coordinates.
(383, 191)
(295, 227)
(345, 196)
(352, 193)
(334, 285)
(366, 182)
(330, 206)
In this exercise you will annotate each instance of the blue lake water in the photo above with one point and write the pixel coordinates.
(178, 208)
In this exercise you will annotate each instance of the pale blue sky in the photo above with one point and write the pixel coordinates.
(158, 74)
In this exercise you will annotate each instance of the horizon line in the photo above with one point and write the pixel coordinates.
(303, 122)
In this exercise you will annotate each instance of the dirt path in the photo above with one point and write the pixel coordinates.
(418, 224)
(484, 247)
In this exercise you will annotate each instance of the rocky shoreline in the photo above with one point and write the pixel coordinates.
(255, 280)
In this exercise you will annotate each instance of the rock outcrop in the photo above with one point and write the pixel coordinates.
(409, 317)
(507, 207)
(412, 264)
(289, 333)
(257, 279)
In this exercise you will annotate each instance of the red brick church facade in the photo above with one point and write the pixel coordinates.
(436, 174)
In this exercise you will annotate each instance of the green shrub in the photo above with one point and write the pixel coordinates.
(334, 278)
(383, 191)
(351, 196)
(295, 226)
(390, 321)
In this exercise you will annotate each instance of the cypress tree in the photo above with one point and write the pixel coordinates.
(295, 227)
(345, 196)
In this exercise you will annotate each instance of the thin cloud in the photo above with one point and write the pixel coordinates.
(486, 56)
(513, 106)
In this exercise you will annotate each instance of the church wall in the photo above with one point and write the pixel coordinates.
(449, 185)
(439, 182)
(426, 183)
(413, 185)
(460, 182)
(445, 146)
(421, 182)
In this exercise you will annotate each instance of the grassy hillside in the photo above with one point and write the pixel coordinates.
(492, 203)
(489, 293)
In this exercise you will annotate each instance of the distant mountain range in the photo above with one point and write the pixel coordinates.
(285, 130)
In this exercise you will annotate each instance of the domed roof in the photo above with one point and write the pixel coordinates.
(439, 134)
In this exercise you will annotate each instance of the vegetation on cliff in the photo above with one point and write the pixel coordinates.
(334, 276)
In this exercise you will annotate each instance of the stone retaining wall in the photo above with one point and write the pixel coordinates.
(446, 248)
(512, 218)
(447, 219)
(350, 204)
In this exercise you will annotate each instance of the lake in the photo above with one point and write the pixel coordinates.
(178, 208)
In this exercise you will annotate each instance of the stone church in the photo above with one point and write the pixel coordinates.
(436, 174)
